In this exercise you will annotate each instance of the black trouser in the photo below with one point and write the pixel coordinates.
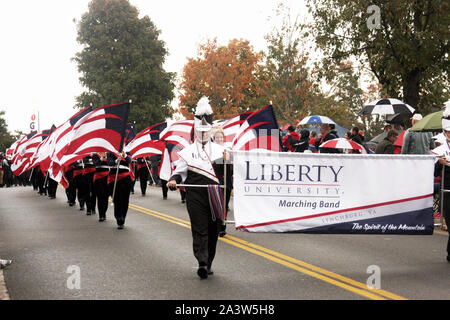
(143, 177)
(121, 198)
(102, 194)
(52, 186)
(34, 179)
(90, 193)
(155, 176)
(183, 194)
(82, 189)
(41, 181)
(71, 191)
(164, 188)
(205, 231)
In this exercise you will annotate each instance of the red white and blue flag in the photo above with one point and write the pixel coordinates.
(147, 142)
(102, 130)
(259, 131)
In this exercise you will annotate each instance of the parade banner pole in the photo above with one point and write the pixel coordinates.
(196, 185)
(225, 187)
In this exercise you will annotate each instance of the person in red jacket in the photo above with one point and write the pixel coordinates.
(291, 139)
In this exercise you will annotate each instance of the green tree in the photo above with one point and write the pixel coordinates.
(6, 139)
(403, 43)
(122, 59)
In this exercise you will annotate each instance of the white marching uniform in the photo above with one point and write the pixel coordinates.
(201, 165)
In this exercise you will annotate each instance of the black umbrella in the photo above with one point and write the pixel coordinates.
(398, 118)
(387, 106)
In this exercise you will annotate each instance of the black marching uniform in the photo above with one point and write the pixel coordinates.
(52, 186)
(71, 190)
(201, 165)
(143, 174)
(80, 183)
(88, 176)
(100, 181)
(121, 196)
(41, 182)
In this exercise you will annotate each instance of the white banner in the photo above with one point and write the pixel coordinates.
(333, 193)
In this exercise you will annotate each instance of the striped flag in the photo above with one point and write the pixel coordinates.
(24, 161)
(147, 142)
(176, 136)
(101, 130)
(259, 131)
(231, 126)
(58, 139)
(179, 132)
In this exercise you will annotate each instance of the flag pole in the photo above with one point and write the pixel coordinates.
(115, 181)
(31, 174)
(225, 188)
(150, 174)
(45, 182)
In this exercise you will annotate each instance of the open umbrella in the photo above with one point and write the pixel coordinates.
(379, 137)
(387, 106)
(316, 120)
(341, 131)
(342, 143)
(398, 118)
(431, 122)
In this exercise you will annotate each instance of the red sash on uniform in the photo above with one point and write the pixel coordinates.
(120, 176)
(131, 166)
(77, 172)
(100, 175)
(141, 165)
(88, 170)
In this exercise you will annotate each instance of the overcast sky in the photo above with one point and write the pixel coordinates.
(38, 39)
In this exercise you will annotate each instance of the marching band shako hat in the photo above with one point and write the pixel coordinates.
(203, 120)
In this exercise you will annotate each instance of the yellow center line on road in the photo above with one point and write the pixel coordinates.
(298, 265)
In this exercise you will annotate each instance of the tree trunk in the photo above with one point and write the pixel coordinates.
(411, 88)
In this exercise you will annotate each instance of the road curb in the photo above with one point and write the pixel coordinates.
(3, 291)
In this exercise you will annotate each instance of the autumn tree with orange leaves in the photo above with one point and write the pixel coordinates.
(225, 74)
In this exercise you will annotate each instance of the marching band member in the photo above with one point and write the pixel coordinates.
(100, 181)
(71, 190)
(201, 163)
(143, 173)
(88, 176)
(80, 183)
(121, 194)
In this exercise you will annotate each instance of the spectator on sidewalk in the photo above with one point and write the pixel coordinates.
(417, 142)
(291, 139)
(386, 146)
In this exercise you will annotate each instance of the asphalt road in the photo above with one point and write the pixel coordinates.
(60, 253)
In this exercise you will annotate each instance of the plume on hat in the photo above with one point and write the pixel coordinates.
(203, 107)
